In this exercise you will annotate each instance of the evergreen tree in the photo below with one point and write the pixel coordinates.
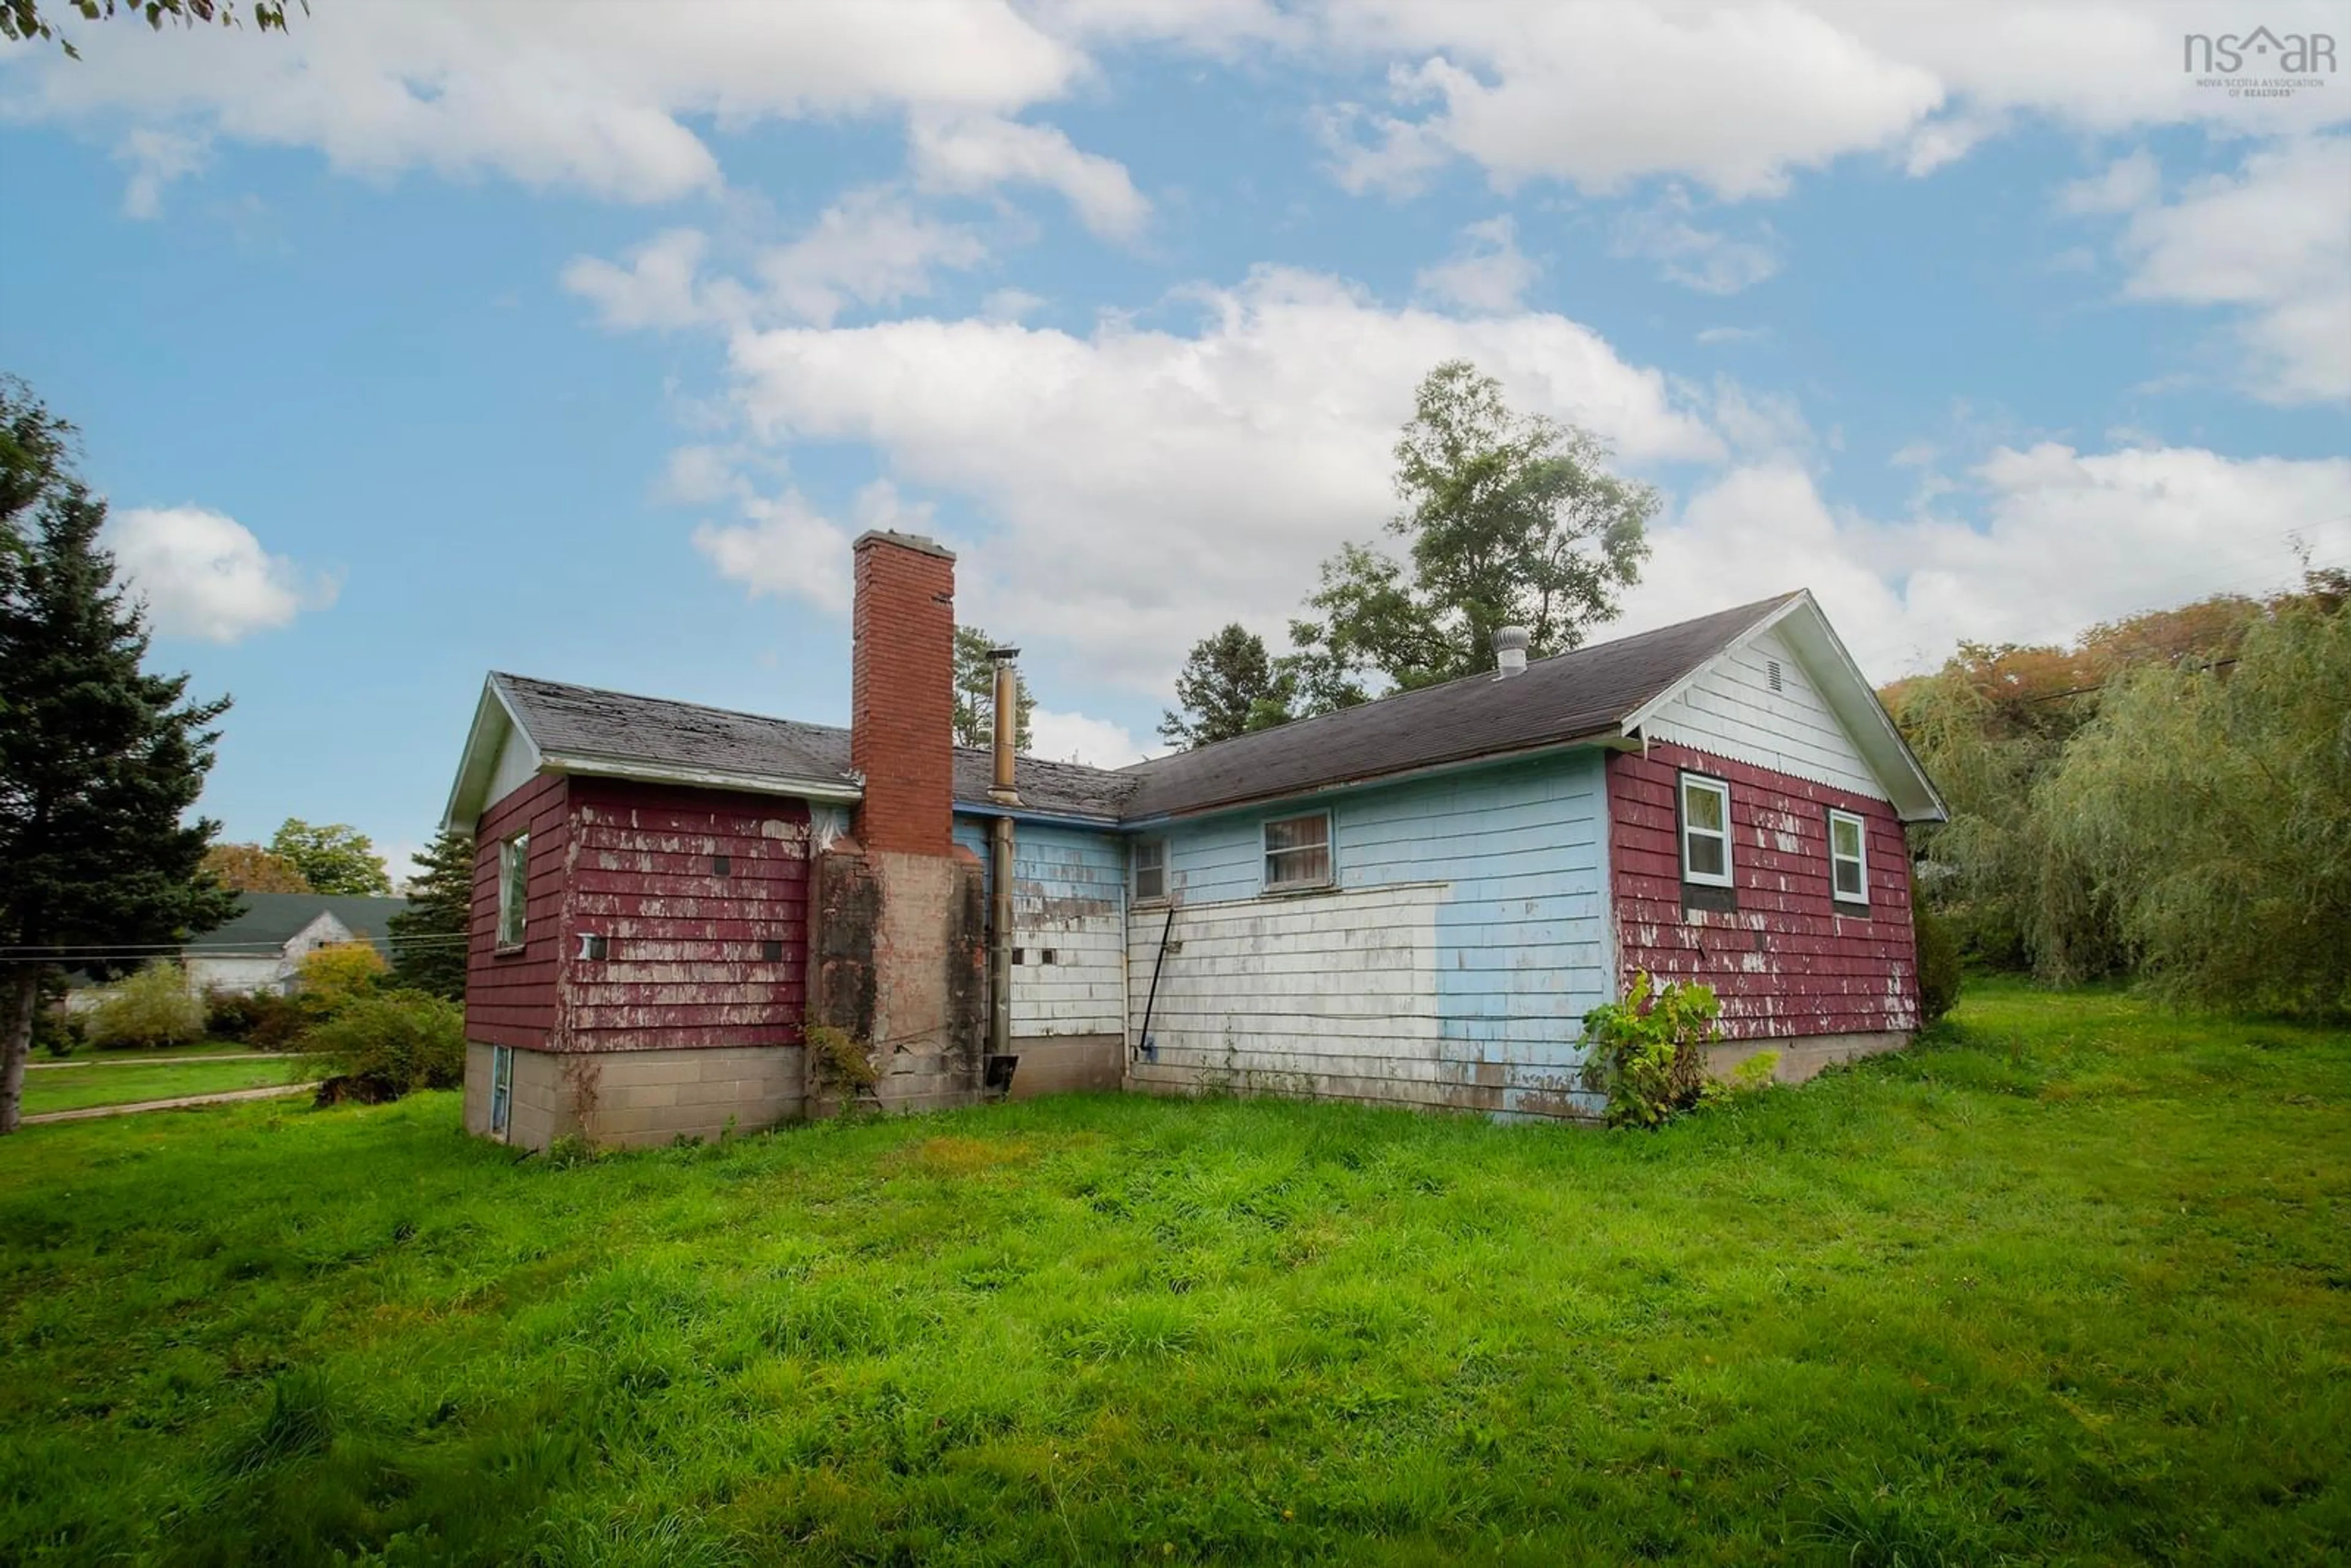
(974, 694)
(1228, 687)
(100, 761)
(428, 938)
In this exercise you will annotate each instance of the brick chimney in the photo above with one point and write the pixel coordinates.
(902, 693)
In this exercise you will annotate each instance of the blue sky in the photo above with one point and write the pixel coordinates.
(580, 341)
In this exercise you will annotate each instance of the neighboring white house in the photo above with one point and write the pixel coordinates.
(262, 947)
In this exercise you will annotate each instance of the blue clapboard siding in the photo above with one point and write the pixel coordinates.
(1450, 964)
(1069, 899)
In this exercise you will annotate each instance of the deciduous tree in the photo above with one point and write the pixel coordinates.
(249, 867)
(21, 20)
(100, 761)
(2213, 807)
(1228, 687)
(1510, 518)
(336, 858)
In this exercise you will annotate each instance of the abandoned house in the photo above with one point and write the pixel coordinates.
(1411, 902)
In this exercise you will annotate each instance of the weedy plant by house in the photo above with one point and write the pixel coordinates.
(1648, 1051)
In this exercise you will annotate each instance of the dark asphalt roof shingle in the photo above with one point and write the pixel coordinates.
(1568, 697)
(270, 920)
(584, 722)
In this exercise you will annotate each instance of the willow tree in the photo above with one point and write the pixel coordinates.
(2212, 804)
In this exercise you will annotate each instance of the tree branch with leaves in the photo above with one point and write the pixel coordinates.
(1507, 518)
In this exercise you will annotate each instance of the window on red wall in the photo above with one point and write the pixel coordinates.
(1706, 830)
(514, 889)
(1848, 858)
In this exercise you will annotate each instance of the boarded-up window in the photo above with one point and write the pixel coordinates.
(1298, 851)
(1706, 830)
(1848, 865)
(514, 889)
(1150, 858)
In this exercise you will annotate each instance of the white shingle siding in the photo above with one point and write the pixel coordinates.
(1731, 711)
(1451, 965)
(1069, 895)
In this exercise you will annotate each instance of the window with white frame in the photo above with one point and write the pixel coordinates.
(514, 889)
(1298, 851)
(1848, 858)
(1706, 830)
(501, 1089)
(1150, 862)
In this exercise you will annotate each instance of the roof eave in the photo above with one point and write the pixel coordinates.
(827, 791)
(494, 720)
(1911, 792)
(1600, 737)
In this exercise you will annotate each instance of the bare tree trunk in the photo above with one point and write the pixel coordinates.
(23, 994)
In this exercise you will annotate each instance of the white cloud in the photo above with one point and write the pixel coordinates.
(592, 98)
(659, 287)
(2126, 183)
(787, 549)
(1076, 738)
(157, 157)
(871, 247)
(1599, 94)
(970, 155)
(1712, 335)
(2065, 539)
(1144, 486)
(1487, 274)
(1011, 304)
(202, 574)
(1705, 259)
(2275, 241)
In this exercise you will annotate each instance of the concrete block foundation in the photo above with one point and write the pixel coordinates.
(626, 1099)
(1804, 1056)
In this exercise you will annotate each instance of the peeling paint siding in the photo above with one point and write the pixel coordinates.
(510, 997)
(1788, 962)
(1450, 967)
(1069, 894)
(684, 965)
(1731, 711)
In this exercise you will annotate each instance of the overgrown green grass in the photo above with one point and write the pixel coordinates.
(2069, 1284)
(112, 1081)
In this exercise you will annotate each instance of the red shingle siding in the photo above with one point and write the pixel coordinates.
(902, 695)
(1816, 970)
(683, 964)
(510, 997)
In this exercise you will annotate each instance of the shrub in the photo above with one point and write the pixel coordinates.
(56, 1033)
(330, 978)
(230, 1015)
(1647, 1052)
(1938, 962)
(278, 1022)
(386, 1043)
(153, 1007)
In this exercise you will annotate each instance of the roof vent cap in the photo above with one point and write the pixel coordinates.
(1510, 651)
